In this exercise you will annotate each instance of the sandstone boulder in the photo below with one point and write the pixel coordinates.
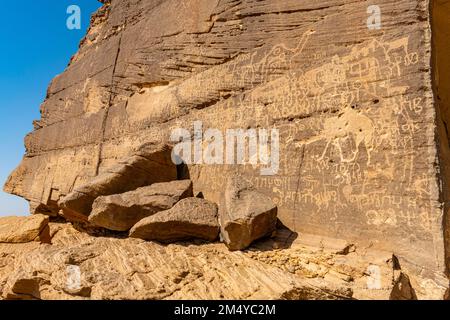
(145, 168)
(245, 214)
(189, 218)
(24, 229)
(120, 212)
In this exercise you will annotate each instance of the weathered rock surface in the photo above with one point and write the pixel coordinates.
(371, 274)
(142, 169)
(361, 112)
(24, 229)
(246, 215)
(151, 271)
(190, 218)
(77, 266)
(120, 212)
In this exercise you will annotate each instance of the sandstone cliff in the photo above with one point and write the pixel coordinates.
(362, 119)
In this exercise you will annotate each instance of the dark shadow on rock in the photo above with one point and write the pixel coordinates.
(283, 238)
(200, 195)
(403, 289)
(183, 172)
(185, 243)
(98, 232)
(58, 219)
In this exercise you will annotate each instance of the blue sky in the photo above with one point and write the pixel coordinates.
(35, 46)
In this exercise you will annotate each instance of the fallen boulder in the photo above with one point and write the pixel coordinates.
(142, 169)
(120, 212)
(24, 229)
(245, 215)
(189, 218)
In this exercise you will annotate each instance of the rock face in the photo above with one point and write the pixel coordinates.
(139, 170)
(189, 218)
(24, 229)
(360, 110)
(120, 212)
(246, 214)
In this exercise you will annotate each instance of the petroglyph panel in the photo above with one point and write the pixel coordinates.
(354, 107)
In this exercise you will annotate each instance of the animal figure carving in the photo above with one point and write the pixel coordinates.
(348, 124)
(278, 60)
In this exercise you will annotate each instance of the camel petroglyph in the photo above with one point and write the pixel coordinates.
(348, 124)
